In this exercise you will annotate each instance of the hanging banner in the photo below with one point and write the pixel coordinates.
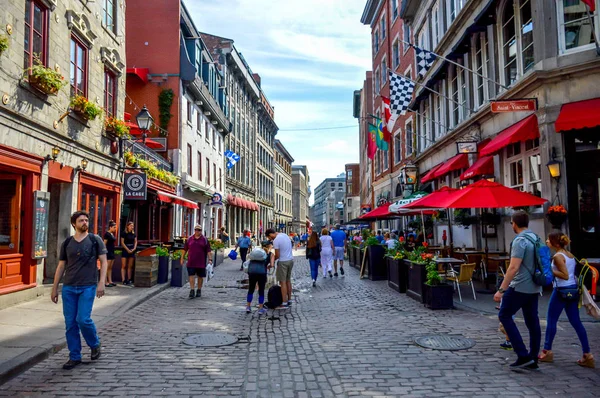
(135, 186)
(41, 203)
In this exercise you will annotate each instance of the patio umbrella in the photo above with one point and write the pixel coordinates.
(151, 143)
(380, 213)
(485, 194)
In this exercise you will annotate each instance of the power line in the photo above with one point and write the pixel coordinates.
(321, 128)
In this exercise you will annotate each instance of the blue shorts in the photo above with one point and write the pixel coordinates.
(338, 253)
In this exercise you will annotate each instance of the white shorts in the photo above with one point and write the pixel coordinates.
(339, 253)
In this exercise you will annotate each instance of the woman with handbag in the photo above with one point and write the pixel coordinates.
(564, 297)
(313, 254)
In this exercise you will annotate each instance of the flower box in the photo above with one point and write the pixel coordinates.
(417, 275)
(397, 274)
(439, 297)
(376, 263)
(39, 84)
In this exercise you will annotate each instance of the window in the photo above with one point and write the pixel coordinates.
(214, 138)
(437, 116)
(524, 167)
(463, 93)
(78, 67)
(208, 133)
(454, 100)
(110, 91)
(398, 147)
(453, 7)
(382, 23)
(340, 184)
(480, 63)
(422, 37)
(395, 54)
(189, 159)
(215, 175)
(383, 72)
(435, 25)
(220, 179)
(189, 111)
(199, 166)
(199, 123)
(406, 36)
(574, 30)
(99, 207)
(377, 81)
(208, 171)
(394, 9)
(378, 162)
(36, 33)
(220, 144)
(109, 16)
(376, 41)
(516, 38)
(425, 131)
(409, 137)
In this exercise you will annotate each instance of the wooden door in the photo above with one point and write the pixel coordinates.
(10, 229)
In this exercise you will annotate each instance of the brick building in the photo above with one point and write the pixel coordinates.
(352, 198)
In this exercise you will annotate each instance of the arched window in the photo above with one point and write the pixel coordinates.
(516, 31)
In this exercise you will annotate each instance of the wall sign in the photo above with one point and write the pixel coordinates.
(466, 147)
(514, 106)
(364, 209)
(135, 186)
(216, 200)
(41, 207)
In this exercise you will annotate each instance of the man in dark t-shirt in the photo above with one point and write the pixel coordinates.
(77, 261)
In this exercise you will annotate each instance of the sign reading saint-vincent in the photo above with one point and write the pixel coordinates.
(135, 186)
(514, 106)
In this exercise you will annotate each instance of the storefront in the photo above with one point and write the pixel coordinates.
(20, 177)
(241, 215)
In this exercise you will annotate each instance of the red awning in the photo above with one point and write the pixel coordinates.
(169, 198)
(483, 166)
(460, 161)
(430, 174)
(150, 143)
(578, 115)
(142, 73)
(243, 203)
(526, 129)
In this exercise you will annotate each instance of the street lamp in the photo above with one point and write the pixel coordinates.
(144, 122)
(554, 166)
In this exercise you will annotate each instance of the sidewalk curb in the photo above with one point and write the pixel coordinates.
(13, 367)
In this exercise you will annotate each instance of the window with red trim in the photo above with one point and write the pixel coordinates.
(36, 33)
(189, 160)
(199, 166)
(79, 65)
(110, 93)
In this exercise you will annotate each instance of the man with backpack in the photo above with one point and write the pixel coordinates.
(520, 290)
(77, 261)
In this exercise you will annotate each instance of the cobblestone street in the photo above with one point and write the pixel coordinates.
(346, 337)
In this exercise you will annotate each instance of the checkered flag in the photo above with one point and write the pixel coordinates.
(401, 90)
(424, 60)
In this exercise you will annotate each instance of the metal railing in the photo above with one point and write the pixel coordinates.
(148, 154)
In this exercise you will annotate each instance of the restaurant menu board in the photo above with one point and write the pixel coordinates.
(41, 206)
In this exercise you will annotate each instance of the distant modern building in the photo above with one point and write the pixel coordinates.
(300, 198)
(352, 197)
(327, 194)
(283, 189)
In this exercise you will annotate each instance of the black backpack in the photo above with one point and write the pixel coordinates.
(274, 297)
(92, 237)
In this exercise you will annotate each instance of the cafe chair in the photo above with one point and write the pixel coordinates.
(464, 276)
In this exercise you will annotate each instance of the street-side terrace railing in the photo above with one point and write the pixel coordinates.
(148, 154)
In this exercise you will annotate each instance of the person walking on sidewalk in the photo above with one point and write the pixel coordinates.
(339, 243)
(565, 296)
(261, 260)
(198, 249)
(129, 246)
(224, 236)
(109, 242)
(327, 250)
(313, 254)
(77, 261)
(285, 263)
(519, 291)
(244, 243)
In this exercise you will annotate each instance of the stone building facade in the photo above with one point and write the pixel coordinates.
(283, 189)
(300, 198)
(266, 170)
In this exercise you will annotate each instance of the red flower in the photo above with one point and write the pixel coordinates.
(425, 244)
(401, 239)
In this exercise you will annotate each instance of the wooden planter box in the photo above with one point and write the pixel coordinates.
(376, 263)
(146, 270)
(417, 275)
(439, 297)
(397, 274)
(36, 83)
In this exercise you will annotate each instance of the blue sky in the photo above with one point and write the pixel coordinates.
(311, 56)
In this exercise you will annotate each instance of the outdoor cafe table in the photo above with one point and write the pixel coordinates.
(449, 262)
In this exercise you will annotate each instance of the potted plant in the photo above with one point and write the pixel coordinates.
(84, 108)
(463, 217)
(375, 262)
(163, 264)
(397, 269)
(116, 127)
(45, 80)
(556, 215)
(177, 272)
(217, 246)
(116, 269)
(438, 295)
(4, 43)
(416, 261)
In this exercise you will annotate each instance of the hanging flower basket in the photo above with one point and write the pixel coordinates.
(556, 215)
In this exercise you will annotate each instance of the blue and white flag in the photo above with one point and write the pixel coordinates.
(232, 158)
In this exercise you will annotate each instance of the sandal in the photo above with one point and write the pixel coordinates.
(546, 356)
(587, 361)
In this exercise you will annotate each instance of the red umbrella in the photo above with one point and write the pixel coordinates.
(380, 213)
(431, 201)
(151, 143)
(486, 194)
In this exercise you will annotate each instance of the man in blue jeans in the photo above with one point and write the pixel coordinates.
(519, 291)
(77, 261)
(339, 243)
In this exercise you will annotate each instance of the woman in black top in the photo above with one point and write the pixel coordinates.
(129, 245)
(109, 242)
(313, 254)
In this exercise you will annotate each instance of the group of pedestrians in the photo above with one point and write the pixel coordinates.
(519, 291)
(326, 251)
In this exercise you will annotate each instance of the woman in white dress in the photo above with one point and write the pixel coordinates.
(326, 252)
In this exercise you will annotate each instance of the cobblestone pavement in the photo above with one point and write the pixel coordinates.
(346, 337)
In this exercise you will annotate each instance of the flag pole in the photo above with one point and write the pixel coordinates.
(425, 117)
(459, 65)
(587, 10)
(432, 90)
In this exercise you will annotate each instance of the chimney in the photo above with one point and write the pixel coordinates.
(256, 77)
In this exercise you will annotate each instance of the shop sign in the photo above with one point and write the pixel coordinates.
(514, 106)
(135, 186)
(216, 200)
(41, 203)
(466, 147)
(364, 209)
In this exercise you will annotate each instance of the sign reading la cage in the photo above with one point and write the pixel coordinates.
(514, 106)
(135, 186)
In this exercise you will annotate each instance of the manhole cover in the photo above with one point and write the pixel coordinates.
(210, 339)
(445, 343)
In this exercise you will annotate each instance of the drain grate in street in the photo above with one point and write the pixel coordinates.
(445, 342)
(210, 339)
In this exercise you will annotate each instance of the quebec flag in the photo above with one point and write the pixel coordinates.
(232, 158)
